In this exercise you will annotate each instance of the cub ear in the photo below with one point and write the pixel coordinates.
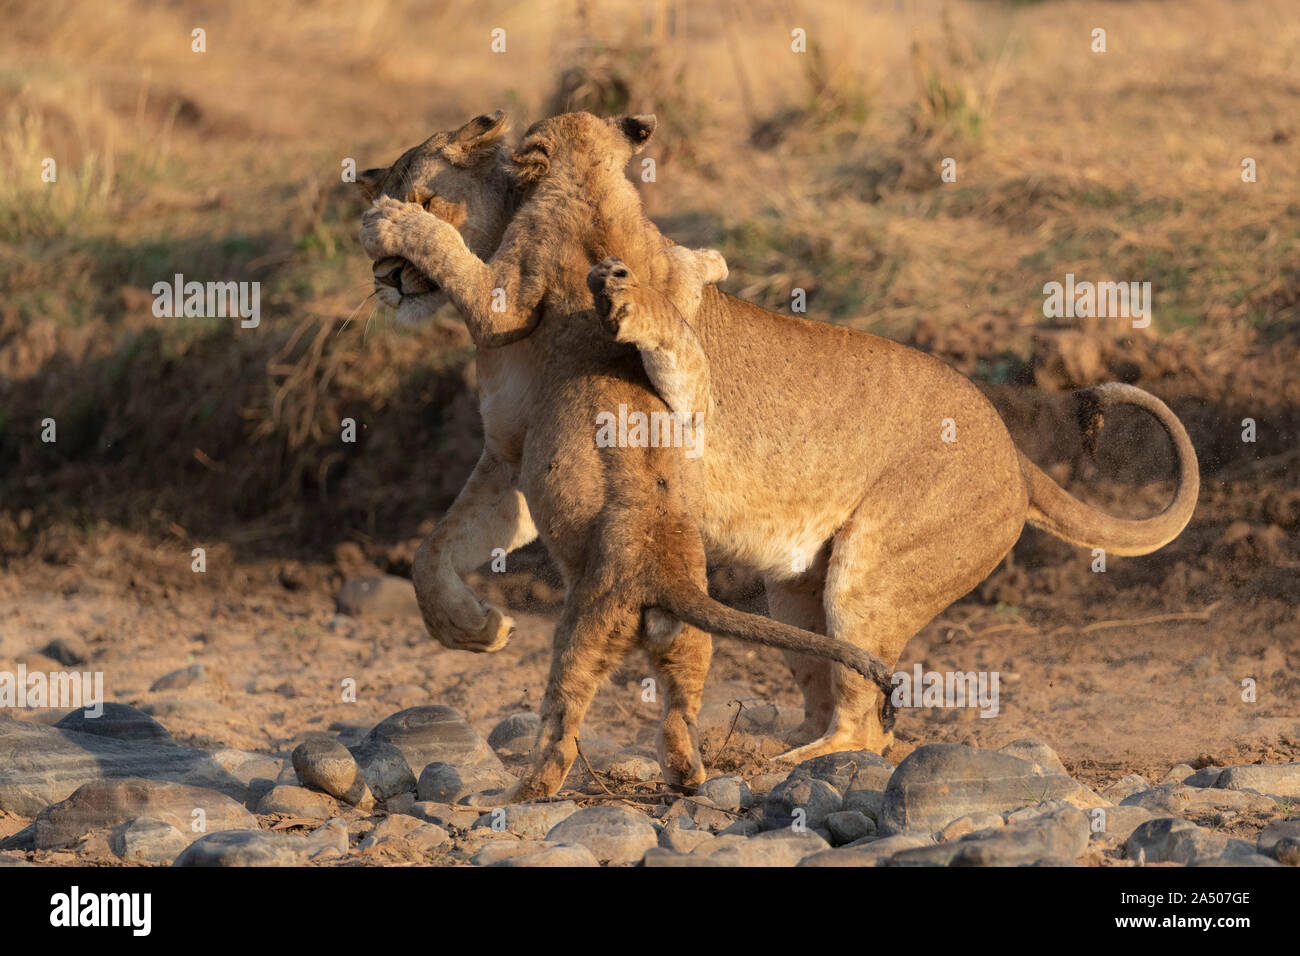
(370, 180)
(532, 160)
(638, 129)
(473, 142)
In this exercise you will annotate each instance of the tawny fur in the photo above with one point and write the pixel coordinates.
(826, 467)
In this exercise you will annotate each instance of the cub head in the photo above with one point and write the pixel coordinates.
(578, 146)
(460, 176)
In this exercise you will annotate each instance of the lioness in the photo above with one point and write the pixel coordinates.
(614, 518)
(827, 467)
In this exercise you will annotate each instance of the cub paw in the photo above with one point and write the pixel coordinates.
(612, 285)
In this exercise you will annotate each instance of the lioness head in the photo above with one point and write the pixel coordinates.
(578, 145)
(460, 176)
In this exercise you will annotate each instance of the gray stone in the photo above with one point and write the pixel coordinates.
(41, 765)
(247, 767)
(938, 783)
(773, 848)
(1062, 834)
(409, 831)
(553, 856)
(104, 804)
(516, 734)
(661, 856)
(1125, 787)
(298, 802)
(444, 783)
(632, 768)
(1250, 859)
(378, 596)
(148, 839)
(1274, 833)
(816, 798)
(1032, 749)
(498, 850)
(1118, 823)
(868, 852)
(384, 768)
(846, 826)
(848, 770)
(1179, 799)
(177, 679)
(867, 802)
(13, 861)
(1181, 773)
(444, 814)
(938, 855)
(614, 834)
(971, 823)
(325, 764)
(118, 721)
(728, 792)
(246, 848)
(684, 841)
(1171, 840)
(1287, 851)
(328, 841)
(1279, 780)
(529, 821)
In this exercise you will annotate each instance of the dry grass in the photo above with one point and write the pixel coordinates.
(817, 171)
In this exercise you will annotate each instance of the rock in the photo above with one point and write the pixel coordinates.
(1117, 823)
(1032, 749)
(661, 856)
(728, 792)
(246, 848)
(325, 764)
(1171, 840)
(298, 802)
(806, 800)
(41, 765)
(378, 596)
(1287, 851)
(614, 834)
(938, 783)
(104, 804)
(1178, 799)
(384, 769)
(13, 861)
(118, 721)
(516, 734)
(848, 770)
(867, 802)
(443, 783)
(177, 679)
(970, 823)
(867, 853)
(684, 841)
(849, 825)
(328, 841)
(553, 856)
(148, 839)
(1279, 780)
(1061, 834)
(1181, 772)
(1249, 859)
(1125, 787)
(764, 783)
(741, 826)
(530, 821)
(400, 803)
(933, 855)
(444, 814)
(1276, 832)
(409, 831)
(633, 768)
(350, 732)
(773, 848)
(247, 767)
(499, 850)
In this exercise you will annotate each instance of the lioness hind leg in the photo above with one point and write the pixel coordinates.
(680, 670)
(800, 603)
(594, 634)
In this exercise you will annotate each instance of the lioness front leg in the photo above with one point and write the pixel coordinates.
(670, 350)
(498, 301)
(488, 513)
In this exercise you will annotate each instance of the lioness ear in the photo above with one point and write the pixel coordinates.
(472, 143)
(370, 180)
(638, 129)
